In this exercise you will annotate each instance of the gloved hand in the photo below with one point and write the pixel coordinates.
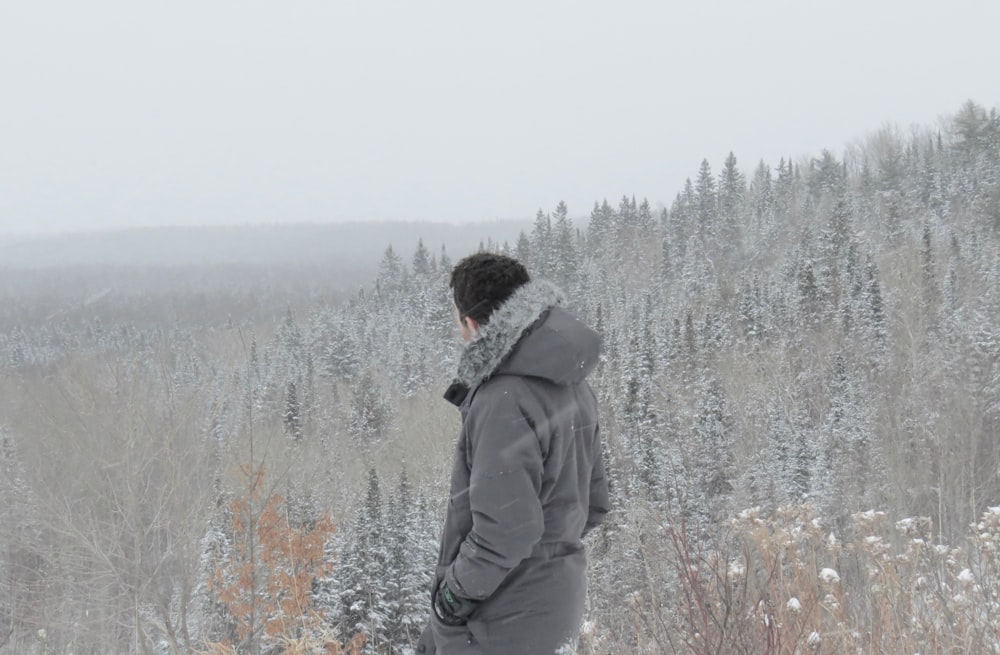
(451, 608)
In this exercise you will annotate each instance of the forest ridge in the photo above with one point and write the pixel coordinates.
(799, 395)
(346, 250)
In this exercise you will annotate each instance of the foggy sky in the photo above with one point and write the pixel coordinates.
(126, 114)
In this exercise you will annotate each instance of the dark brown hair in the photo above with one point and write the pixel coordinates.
(482, 282)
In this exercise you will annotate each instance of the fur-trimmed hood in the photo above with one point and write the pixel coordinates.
(531, 335)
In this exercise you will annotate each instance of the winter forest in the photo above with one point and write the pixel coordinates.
(800, 406)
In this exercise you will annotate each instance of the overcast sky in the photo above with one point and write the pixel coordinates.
(129, 113)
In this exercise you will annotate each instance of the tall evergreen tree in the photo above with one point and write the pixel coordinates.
(542, 247)
(826, 175)
(708, 229)
(422, 261)
(444, 262)
(370, 411)
(292, 416)
(411, 556)
(391, 271)
(732, 190)
(363, 570)
(602, 229)
(848, 465)
(714, 465)
(564, 248)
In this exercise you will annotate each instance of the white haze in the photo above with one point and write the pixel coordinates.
(125, 114)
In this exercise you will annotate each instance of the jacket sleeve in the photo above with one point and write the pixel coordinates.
(600, 502)
(505, 481)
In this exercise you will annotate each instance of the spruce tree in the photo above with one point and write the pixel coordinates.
(422, 261)
(291, 418)
(370, 411)
(364, 573)
(564, 248)
(706, 204)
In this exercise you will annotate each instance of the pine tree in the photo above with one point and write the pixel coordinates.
(971, 127)
(732, 190)
(409, 566)
(564, 248)
(291, 418)
(784, 188)
(826, 176)
(810, 296)
(602, 229)
(422, 261)
(628, 214)
(210, 619)
(761, 197)
(848, 464)
(644, 222)
(706, 206)
(523, 248)
(391, 272)
(444, 263)
(371, 412)
(931, 290)
(714, 467)
(542, 247)
(874, 314)
(340, 358)
(363, 571)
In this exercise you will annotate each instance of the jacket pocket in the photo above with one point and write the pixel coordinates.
(479, 630)
(446, 636)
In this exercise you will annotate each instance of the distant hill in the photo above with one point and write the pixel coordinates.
(342, 246)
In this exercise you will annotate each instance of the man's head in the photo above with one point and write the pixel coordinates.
(481, 283)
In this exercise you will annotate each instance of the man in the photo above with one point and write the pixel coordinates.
(528, 479)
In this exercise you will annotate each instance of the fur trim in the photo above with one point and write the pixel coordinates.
(508, 323)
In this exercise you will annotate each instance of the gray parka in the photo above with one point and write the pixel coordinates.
(527, 484)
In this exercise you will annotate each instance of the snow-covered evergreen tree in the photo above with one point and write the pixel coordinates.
(363, 572)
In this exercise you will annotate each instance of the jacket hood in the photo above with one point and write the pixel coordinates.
(531, 335)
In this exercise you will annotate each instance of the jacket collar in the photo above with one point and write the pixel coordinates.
(495, 340)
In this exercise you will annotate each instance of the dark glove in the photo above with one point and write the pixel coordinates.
(451, 608)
